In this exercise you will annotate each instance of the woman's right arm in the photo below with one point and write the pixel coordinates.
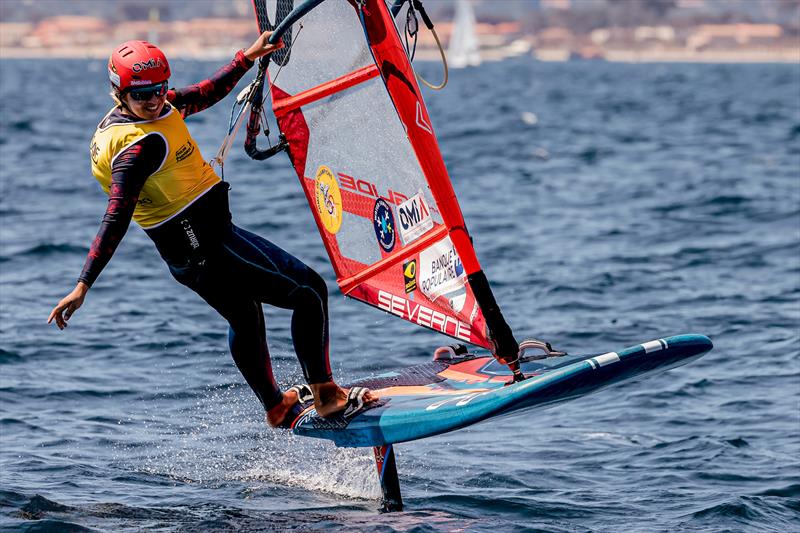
(131, 169)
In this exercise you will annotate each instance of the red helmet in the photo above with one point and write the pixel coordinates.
(137, 63)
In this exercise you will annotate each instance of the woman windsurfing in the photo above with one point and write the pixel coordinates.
(146, 161)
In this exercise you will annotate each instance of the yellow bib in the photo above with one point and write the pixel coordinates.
(182, 177)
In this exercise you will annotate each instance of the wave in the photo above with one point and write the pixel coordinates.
(9, 357)
(48, 249)
(747, 513)
(789, 491)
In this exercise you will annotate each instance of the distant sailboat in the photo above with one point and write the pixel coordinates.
(463, 49)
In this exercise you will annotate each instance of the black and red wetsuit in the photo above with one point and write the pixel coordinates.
(235, 271)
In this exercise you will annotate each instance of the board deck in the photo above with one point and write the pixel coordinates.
(444, 395)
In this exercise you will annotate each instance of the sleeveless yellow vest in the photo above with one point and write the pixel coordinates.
(182, 177)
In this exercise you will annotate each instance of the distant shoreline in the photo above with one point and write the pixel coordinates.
(779, 55)
(103, 53)
(747, 56)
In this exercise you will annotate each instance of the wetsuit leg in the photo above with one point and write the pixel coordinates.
(273, 276)
(247, 333)
(247, 338)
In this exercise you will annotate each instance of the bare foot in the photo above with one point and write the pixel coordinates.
(330, 398)
(276, 415)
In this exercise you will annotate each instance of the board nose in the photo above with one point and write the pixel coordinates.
(692, 344)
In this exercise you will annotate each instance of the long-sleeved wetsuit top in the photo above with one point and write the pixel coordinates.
(133, 165)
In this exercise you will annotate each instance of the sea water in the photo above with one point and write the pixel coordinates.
(610, 204)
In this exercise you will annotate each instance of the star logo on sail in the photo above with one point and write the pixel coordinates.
(383, 222)
(328, 199)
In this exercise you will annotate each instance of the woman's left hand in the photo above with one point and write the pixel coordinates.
(262, 47)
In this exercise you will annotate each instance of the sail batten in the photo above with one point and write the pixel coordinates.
(284, 105)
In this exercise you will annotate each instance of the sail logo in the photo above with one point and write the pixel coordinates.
(415, 218)
(368, 188)
(383, 222)
(328, 199)
(424, 316)
(442, 274)
(410, 275)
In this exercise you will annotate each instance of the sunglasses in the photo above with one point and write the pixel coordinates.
(142, 94)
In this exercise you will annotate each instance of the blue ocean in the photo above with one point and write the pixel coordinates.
(610, 204)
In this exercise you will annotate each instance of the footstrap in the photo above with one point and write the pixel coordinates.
(304, 393)
(355, 401)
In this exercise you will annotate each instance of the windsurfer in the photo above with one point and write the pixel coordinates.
(148, 164)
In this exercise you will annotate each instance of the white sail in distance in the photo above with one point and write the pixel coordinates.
(463, 49)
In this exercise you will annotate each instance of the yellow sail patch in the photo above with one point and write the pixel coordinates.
(328, 199)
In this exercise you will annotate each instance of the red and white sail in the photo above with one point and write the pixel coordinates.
(363, 145)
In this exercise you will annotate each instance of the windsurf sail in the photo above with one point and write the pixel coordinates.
(361, 141)
(464, 47)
